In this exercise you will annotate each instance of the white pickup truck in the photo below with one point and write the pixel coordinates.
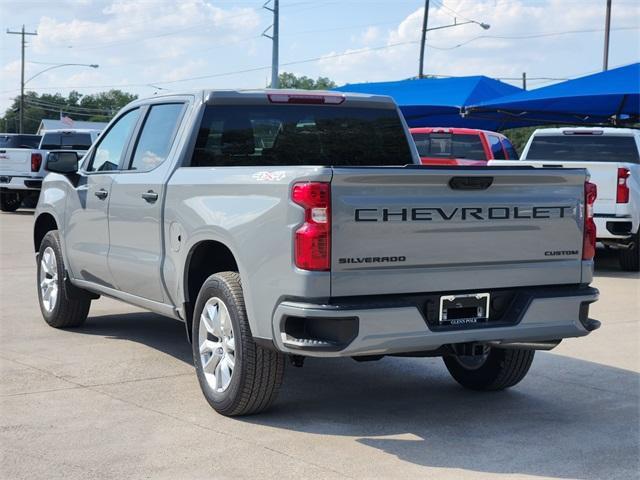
(22, 169)
(612, 157)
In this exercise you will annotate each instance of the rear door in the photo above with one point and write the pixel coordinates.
(419, 229)
(135, 211)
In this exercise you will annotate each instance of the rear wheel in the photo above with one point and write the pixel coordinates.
(237, 376)
(62, 305)
(10, 201)
(630, 257)
(497, 369)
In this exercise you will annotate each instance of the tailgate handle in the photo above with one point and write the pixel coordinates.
(470, 183)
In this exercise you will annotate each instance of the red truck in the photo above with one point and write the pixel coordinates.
(461, 146)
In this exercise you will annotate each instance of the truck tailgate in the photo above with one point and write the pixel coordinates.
(15, 161)
(422, 229)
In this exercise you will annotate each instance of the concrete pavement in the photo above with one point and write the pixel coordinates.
(118, 398)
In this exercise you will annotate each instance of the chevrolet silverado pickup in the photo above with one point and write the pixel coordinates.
(281, 224)
(612, 158)
(22, 169)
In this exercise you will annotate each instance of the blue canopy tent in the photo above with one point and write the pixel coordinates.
(436, 102)
(611, 97)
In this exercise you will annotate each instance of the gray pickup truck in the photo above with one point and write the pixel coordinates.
(281, 224)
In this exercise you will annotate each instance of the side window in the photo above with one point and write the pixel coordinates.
(157, 136)
(496, 147)
(109, 151)
(511, 151)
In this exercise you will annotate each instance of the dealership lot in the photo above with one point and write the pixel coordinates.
(118, 398)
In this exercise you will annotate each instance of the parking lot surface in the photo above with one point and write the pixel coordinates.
(118, 398)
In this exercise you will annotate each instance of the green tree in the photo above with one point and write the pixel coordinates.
(290, 80)
(96, 107)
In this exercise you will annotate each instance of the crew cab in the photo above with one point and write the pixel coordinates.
(611, 155)
(21, 169)
(273, 227)
(460, 146)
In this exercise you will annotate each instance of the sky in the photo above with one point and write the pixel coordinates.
(150, 46)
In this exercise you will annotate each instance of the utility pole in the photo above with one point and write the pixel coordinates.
(524, 80)
(22, 33)
(607, 27)
(425, 20)
(274, 39)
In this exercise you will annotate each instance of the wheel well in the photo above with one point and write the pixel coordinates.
(205, 259)
(44, 223)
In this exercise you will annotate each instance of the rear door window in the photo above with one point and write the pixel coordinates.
(66, 141)
(496, 147)
(156, 138)
(448, 145)
(584, 148)
(263, 135)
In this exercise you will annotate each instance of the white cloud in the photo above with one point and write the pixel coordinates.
(506, 57)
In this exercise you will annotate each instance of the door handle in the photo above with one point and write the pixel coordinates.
(149, 196)
(101, 194)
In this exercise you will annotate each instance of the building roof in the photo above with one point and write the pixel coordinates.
(56, 124)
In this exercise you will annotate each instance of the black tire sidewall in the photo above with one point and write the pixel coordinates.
(9, 201)
(216, 286)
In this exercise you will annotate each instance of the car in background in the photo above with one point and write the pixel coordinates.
(22, 169)
(612, 157)
(461, 146)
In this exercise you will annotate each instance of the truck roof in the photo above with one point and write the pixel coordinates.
(73, 130)
(586, 130)
(262, 96)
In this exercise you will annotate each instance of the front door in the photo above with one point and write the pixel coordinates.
(87, 223)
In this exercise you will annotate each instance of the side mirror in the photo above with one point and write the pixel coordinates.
(62, 161)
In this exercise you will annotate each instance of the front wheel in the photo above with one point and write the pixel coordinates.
(237, 376)
(630, 257)
(62, 305)
(497, 369)
(10, 201)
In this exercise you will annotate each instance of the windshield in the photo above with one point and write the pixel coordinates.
(19, 141)
(449, 145)
(583, 148)
(66, 141)
(255, 135)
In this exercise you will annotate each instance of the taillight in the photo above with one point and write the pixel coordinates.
(313, 238)
(622, 193)
(36, 162)
(589, 242)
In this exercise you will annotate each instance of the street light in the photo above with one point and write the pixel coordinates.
(24, 82)
(425, 19)
(92, 65)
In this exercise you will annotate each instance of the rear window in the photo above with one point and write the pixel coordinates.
(257, 135)
(66, 141)
(19, 141)
(449, 145)
(583, 148)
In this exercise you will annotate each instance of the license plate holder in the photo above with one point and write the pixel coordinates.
(466, 309)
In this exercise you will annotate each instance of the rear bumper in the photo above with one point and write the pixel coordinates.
(8, 182)
(397, 324)
(612, 227)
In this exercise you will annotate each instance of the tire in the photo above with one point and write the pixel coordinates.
(501, 368)
(10, 201)
(630, 257)
(237, 376)
(64, 306)
(31, 200)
